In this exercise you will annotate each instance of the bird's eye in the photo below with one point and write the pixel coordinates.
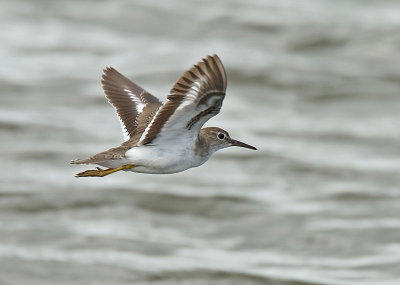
(221, 136)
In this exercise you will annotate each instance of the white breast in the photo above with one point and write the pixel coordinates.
(156, 159)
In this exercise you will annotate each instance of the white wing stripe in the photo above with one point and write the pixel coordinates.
(149, 125)
(139, 103)
(191, 102)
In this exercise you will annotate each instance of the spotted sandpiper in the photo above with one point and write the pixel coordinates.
(165, 138)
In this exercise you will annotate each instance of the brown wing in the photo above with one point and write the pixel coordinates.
(128, 99)
(196, 97)
(143, 120)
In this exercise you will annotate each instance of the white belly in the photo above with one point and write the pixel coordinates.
(153, 159)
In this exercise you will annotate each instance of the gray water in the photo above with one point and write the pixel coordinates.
(315, 85)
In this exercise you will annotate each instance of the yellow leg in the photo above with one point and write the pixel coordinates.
(103, 172)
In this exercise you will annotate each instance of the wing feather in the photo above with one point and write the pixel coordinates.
(128, 99)
(195, 98)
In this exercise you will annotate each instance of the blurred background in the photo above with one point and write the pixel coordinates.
(314, 84)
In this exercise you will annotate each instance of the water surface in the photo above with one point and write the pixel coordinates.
(314, 85)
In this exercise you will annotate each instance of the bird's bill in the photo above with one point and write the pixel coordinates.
(242, 144)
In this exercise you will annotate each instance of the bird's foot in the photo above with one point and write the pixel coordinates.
(103, 172)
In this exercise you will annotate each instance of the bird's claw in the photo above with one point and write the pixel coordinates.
(94, 173)
(103, 172)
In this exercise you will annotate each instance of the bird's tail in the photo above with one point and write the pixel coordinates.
(81, 161)
(111, 154)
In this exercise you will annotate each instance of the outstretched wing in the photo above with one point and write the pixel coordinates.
(195, 98)
(128, 99)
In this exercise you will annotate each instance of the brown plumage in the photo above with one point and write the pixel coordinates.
(126, 97)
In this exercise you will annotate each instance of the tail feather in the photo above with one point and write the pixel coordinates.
(80, 161)
(111, 154)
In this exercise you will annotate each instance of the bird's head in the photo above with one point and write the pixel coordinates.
(217, 138)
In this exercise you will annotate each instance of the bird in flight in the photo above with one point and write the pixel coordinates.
(168, 137)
